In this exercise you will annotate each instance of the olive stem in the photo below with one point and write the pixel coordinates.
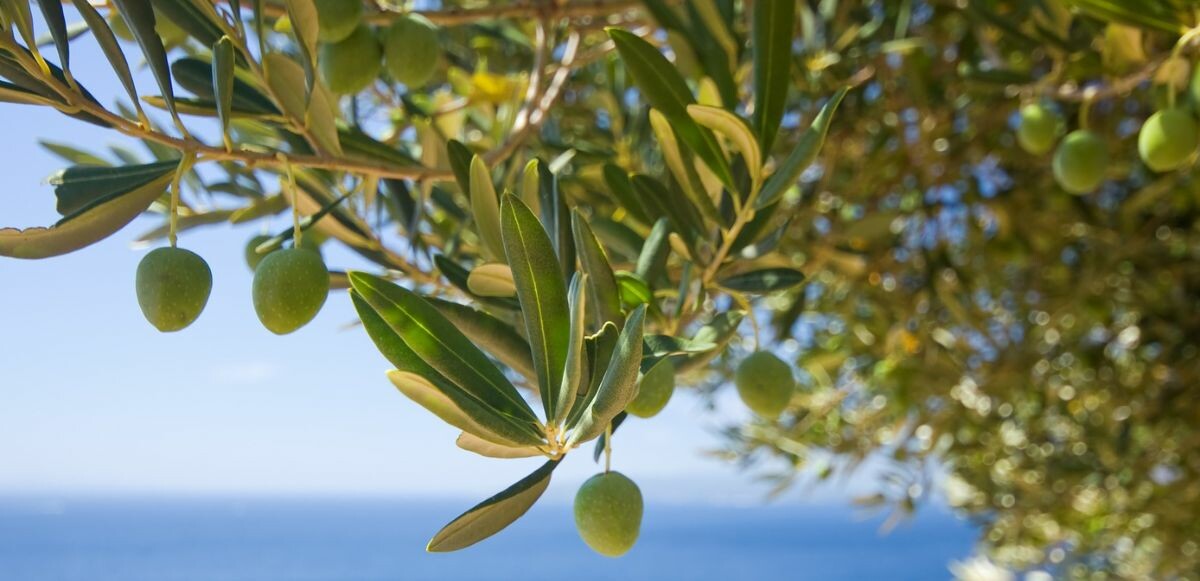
(1086, 107)
(1183, 41)
(185, 164)
(608, 448)
(297, 231)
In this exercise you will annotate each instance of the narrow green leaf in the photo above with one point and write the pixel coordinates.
(531, 186)
(619, 385)
(424, 393)
(472, 443)
(73, 154)
(460, 163)
(573, 369)
(139, 15)
(599, 349)
(442, 346)
(802, 156)
(492, 279)
(718, 332)
(735, 130)
(652, 262)
(111, 48)
(606, 299)
(302, 14)
(621, 189)
(684, 218)
(494, 514)
(666, 91)
(52, 12)
(763, 281)
(772, 25)
(493, 335)
(78, 187)
(484, 420)
(196, 17)
(679, 165)
(542, 294)
(196, 75)
(222, 80)
(88, 224)
(485, 208)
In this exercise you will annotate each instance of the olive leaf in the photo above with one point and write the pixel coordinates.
(472, 443)
(531, 186)
(485, 208)
(666, 91)
(444, 348)
(621, 188)
(763, 281)
(652, 260)
(92, 219)
(52, 13)
(599, 349)
(619, 385)
(573, 369)
(734, 129)
(802, 156)
(492, 279)
(222, 80)
(772, 24)
(606, 299)
(110, 47)
(139, 15)
(494, 514)
(681, 168)
(497, 337)
(196, 17)
(302, 14)
(541, 292)
(486, 420)
(458, 275)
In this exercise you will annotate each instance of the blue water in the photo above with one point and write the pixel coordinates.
(280, 540)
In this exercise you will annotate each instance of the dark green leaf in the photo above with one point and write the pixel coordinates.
(80, 186)
(194, 18)
(619, 384)
(89, 223)
(802, 156)
(771, 40)
(111, 48)
(222, 80)
(494, 514)
(542, 294)
(764, 281)
(442, 346)
(606, 298)
(497, 337)
(666, 91)
(52, 12)
(652, 261)
(139, 15)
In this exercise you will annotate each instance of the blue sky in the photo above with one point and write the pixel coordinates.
(94, 400)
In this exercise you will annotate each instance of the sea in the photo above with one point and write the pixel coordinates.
(165, 539)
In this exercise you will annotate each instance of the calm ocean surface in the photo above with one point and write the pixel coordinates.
(282, 540)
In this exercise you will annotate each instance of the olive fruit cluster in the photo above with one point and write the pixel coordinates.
(352, 53)
(290, 286)
(1167, 141)
(765, 383)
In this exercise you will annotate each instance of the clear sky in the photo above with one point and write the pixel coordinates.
(94, 400)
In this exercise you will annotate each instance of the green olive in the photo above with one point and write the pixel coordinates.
(1168, 139)
(173, 285)
(608, 513)
(765, 384)
(351, 65)
(654, 391)
(253, 257)
(411, 50)
(1038, 129)
(337, 19)
(1080, 162)
(290, 287)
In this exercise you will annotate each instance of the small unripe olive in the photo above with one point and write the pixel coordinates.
(173, 285)
(351, 65)
(337, 19)
(411, 50)
(253, 257)
(765, 384)
(290, 287)
(608, 513)
(1038, 129)
(654, 391)
(1167, 139)
(1080, 162)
